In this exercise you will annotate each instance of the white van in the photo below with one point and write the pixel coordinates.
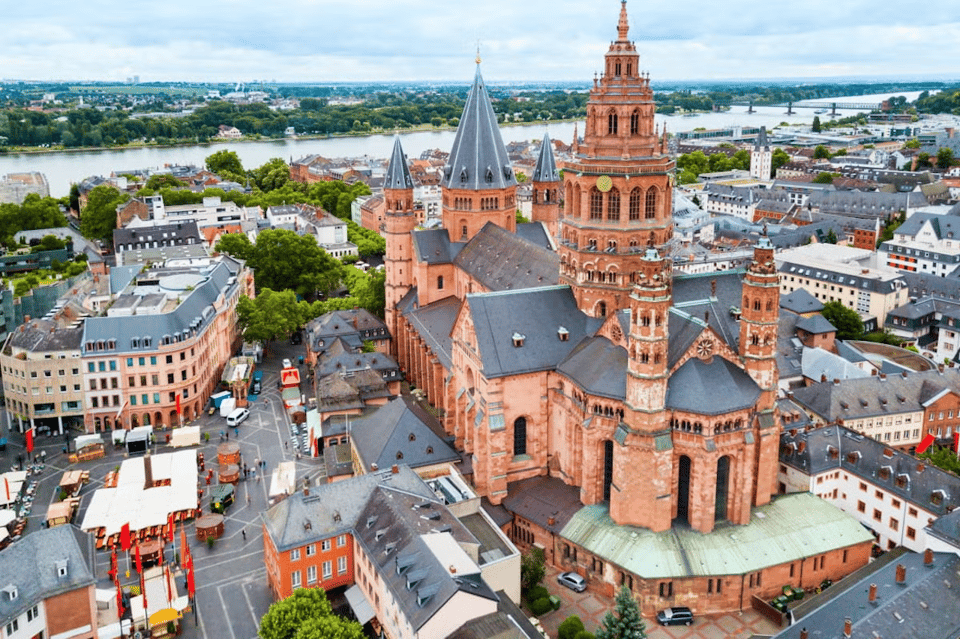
(237, 416)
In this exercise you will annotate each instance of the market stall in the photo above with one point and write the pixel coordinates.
(62, 512)
(210, 526)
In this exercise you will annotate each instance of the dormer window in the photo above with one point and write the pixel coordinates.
(518, 339)
(884, 472)
(936, 497)
(902, 480)
(62, 569)
(489, 175)
(563, 334)
(12, 592)
(463, 174)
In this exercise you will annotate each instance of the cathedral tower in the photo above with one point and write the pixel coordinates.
(617, 189)
(546, 188)
(761, 157)
(478, 181)
(400, 221)
(642, 465)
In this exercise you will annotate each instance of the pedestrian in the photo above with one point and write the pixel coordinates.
(257, 462)
(228, 435)
(236, 432)
(286, 444)
(244, 533)
(221, 435)
(248, 499)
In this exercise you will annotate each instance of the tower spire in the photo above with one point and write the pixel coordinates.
(623, 26)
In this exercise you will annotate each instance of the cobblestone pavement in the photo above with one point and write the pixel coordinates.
(591, 608)
(232, 592)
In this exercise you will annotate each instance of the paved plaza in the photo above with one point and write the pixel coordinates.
(232, 591)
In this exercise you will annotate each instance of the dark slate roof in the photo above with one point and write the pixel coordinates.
(535, 233)
(31, 565)
(682, 331)
(509, 622)
(946, 528)
(398, 174)
(816, 324)
(433, 246)
(874, 282)
(599, 367)
(546, 169)
(346, 361)
(693, 294)
(800, 302)
(42, 335)
(500, 260)
(838, 447)
(926, 606)
(434, 324)
(397, 433)
(921, 284)
(478, 159)
(351, 325)
(392, 528)
(872, 396)
(331, 509)
(540, 499)
(711, 388)
(198, 305)
(943, 225)
(161, 235)
(537, 315)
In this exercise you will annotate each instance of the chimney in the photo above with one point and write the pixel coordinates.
(551, 521)
(872, 598)
(453, 569)
(395, 469)
(147, 471)
(823, 377)
(804, 634)
(847, 627)
(928, 558)
(836, 381)
(883, 377)
(901, 575)
(306, 490)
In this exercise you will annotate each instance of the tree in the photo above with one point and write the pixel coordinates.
(49, 243)
(816, 124)
(272, 175)
(269, 315)
(779, 158)
(944, 158)
(821, 152)
(284, 260)
(831, 237)
(824, 177)
(235, 245)
(306, 614)
(570, 627)
(846, 320)
(99, 217)
(532, 568)
(923, 161)
(225, 163)
(625, 621)
(943, 458)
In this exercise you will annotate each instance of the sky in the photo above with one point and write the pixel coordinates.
(520, 40)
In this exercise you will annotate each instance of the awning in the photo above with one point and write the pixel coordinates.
(362, 609)
(163, 616)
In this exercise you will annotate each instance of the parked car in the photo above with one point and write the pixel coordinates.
(676, 616)
(573, 581)
(296, 338)
(237, 416)
(287, 363)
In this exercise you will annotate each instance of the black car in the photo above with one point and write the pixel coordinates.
(296, 338)
(676, 616)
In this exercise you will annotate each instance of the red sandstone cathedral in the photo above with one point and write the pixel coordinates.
(577, 372)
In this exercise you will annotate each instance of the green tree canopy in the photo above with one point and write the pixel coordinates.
(846, 320)
(226, 164)
(944, 158)
(570, 627)
(99, 217)
(284, 260)
(272, 175)
(270, 315)
(779, 158)
(624, 622)
(821, 152)
(306, 614)
(816, 127)
(235, 245)
(824, 177)
(943, 458)
(532, 568)
(161, 180)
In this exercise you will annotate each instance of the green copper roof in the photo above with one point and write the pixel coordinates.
(791, 527)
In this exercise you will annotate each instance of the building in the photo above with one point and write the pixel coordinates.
(420, 557)
(157, 354)
(17, 186)
(834, 273)
(893, 409)
(761, 157)
(176, 234)
(651, 395)
(47, 585)
(925, 243)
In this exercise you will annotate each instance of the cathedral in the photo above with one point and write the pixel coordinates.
(566, 349)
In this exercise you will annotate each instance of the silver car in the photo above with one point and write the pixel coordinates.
(573, 581)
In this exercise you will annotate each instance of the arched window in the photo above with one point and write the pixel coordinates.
(613, 205)
(635, 204)
(612, 124)
(596, 204)
(635, 123)
(617, 68)
(651, 203)
(439, 282)
(520, 436)
(601, 309)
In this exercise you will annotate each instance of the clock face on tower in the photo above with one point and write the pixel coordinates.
(604, 183)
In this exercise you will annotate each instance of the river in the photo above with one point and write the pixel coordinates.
(64, 168)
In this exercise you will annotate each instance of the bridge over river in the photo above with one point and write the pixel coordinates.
(824, 107)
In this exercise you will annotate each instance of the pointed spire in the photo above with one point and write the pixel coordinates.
(623, 26)
(478, 159)
(546, 169)
(762, 139)
(398, 174)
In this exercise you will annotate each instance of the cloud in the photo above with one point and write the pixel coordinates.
(366, 40)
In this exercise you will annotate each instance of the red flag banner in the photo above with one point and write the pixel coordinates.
(167, 578)
(178, 403)
(30, 440)
(6, 485)
(120, 609)
(927, 442)
(143, 591)
(956, 442)
(139, 560)
(191, 587)
(170, 527)
(125, 537)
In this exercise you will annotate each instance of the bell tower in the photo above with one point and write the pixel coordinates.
(546, 188)
(643, 456)
(400, 221)
(617, 186)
